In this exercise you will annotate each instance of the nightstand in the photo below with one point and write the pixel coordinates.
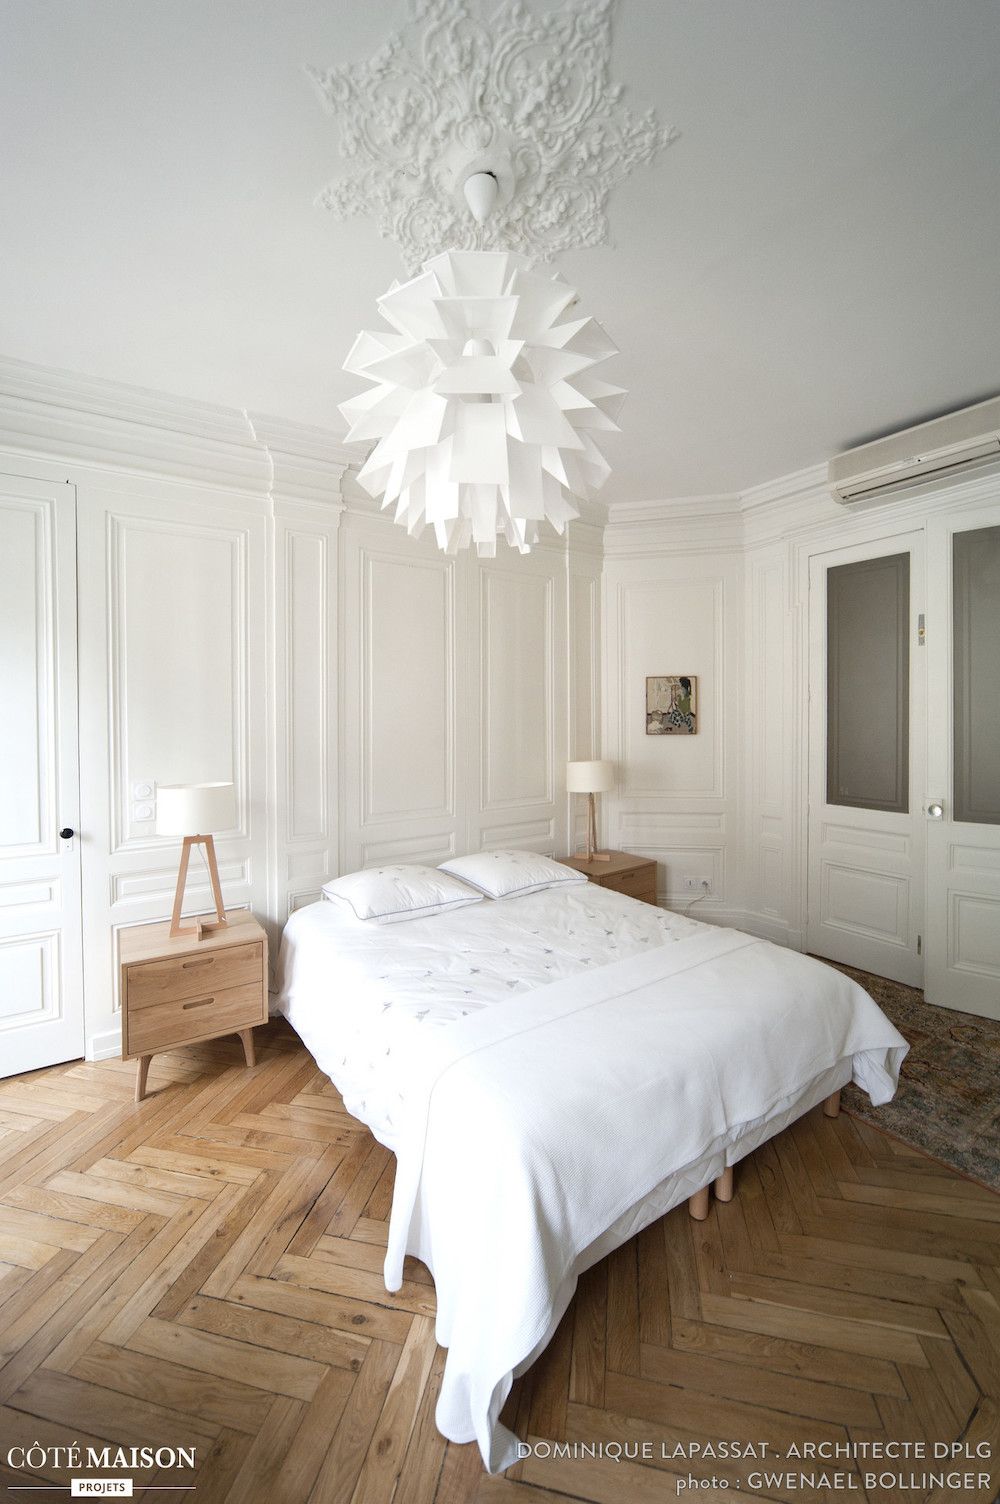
(634, 875)
(185, 990)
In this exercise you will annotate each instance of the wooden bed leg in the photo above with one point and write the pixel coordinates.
(724, 1185)
(698, 1204)
(831, 1107)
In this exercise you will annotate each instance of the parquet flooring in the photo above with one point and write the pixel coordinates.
(204, 1270)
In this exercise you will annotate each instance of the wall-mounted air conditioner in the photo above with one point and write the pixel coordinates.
(930, 454)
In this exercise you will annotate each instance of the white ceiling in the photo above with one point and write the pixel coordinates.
(815, 262)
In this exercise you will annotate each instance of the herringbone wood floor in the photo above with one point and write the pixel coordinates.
(204, 1270)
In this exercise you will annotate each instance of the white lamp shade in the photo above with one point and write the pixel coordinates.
(194, 809)
(589, 777)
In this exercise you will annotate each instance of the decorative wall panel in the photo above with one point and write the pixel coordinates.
(517, 686)
(408, 707)
(307, 687)
(178, 631)
(669, 612)
(672, 627)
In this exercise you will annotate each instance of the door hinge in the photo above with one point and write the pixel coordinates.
(921, 633)
(920, 945)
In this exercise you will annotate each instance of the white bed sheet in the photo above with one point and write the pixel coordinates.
(373, 1005)
(356, 992)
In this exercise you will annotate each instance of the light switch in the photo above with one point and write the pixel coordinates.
(143, 812)
(142, 791)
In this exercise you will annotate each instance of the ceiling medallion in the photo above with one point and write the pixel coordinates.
(524, 99)
(485, 406)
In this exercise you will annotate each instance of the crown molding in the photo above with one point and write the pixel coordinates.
(306, 464)
(62, 415)
(676, 524)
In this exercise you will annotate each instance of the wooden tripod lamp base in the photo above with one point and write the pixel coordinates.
(181, 807)
(592, 854)
(202, 923)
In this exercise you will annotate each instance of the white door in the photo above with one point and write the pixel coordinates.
(963, 785)
(866, 757)
(41, 987)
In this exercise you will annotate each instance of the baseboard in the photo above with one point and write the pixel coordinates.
(105, 1046)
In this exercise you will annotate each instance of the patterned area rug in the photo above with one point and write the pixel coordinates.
(948, 1102)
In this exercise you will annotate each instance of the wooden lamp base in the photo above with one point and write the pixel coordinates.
(203, 924)
(591, 854)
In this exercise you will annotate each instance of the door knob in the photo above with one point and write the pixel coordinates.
(935, 811)
(66, 834)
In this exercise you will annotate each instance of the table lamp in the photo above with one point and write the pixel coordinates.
(194, 811)
(591, 778)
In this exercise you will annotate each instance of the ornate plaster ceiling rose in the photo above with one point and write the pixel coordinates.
(524, 97)
(485, 405)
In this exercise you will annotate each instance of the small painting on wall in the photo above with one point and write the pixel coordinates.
(672, 705)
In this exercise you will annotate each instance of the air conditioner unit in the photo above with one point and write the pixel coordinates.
(929, 454)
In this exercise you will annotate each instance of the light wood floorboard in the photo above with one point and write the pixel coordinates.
(204, 1269)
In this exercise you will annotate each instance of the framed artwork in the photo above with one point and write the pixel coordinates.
(672, 705)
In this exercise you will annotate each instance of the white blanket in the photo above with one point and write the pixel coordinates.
(531, 1126)
(361, 995)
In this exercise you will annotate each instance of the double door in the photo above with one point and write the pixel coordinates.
(904, 757)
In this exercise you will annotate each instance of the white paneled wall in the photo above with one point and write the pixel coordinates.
(170, 642)
(246, 615)
(456, 695)
(672, 607)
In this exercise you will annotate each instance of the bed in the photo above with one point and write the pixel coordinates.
(553, 1072)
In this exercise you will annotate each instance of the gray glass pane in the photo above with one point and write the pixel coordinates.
(976, 565)
(868, 684)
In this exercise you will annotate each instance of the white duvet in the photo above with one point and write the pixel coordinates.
(360, 995)
(547, 1108)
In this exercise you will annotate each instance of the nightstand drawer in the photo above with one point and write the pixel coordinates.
(153, 982)
(181, 1020)
(637, 884)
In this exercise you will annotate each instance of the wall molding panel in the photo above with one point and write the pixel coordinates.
(302, 706)
(673, 611)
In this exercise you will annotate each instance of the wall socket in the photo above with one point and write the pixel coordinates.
(701, 884)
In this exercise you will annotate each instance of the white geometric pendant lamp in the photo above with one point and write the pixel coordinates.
(485, 406)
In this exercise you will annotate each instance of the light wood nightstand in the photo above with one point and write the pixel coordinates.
(634, 875)
(185, 990)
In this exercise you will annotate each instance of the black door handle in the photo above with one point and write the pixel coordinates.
(66, 834)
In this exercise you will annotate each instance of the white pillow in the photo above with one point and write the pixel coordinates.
(511, 874)
(387, 895)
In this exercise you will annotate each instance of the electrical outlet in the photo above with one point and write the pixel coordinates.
(698, 884)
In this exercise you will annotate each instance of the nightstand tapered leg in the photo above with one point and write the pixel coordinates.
(248, 1053)
(142, 1071)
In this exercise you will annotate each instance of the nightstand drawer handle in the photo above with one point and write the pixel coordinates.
(201, 961)
(201, 1002)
